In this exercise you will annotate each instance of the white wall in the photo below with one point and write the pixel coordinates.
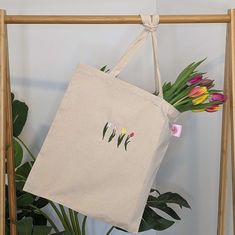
(43, 58)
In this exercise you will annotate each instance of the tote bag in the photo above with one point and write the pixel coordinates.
(106, 143)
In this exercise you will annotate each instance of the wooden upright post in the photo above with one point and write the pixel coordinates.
(222, 201)
(10, 149)
(3, 75)
(232, 102)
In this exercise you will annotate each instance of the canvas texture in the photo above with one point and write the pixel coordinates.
(106, 143)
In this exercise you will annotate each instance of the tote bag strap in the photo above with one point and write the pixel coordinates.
(150, 24)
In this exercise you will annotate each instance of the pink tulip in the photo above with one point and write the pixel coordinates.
(218, 97)
(194, 80)
(213, 108)
(197, 91)
(132, 134)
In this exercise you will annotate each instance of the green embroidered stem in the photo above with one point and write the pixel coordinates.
(120, 138)
(112, 135)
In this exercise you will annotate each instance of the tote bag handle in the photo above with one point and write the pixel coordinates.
(150, 24)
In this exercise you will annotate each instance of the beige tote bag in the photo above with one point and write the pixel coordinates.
(106, 143)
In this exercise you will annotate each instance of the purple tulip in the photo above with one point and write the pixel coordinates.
(194, 80)
(218, 97)
(207, 82)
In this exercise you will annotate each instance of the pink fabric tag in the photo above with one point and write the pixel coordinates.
(176, 130)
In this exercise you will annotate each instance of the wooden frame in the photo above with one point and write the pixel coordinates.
(228, 122)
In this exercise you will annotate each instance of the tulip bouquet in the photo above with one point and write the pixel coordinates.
(191, 91)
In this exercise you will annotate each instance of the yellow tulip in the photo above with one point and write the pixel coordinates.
(123, 131)
(200, 99)
(198, 110)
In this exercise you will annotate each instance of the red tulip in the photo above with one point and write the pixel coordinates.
(213, 108)
(197, 91)
(194, 80)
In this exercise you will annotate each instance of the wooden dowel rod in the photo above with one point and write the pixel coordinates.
(2, 121)
(232, 104)
(222, 200)
(10, 149)
(112, 19)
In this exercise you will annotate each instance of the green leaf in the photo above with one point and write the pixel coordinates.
(19, 116)
(18, 153)
(153, 202)
(25, 200)
(12, 97)
(23, 171)
(24, 226)
(41, 230)
(38, 219)
(151, 220)
(40, 202)
(173, 198)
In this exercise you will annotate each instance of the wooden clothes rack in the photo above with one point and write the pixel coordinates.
(228, 119)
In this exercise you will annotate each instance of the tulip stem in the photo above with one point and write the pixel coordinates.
(177, 102)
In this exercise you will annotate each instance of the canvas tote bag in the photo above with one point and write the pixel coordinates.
(106, 143)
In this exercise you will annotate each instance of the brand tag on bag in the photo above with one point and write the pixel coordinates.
(176, 130)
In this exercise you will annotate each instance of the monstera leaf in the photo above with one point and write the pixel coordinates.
(19, 115)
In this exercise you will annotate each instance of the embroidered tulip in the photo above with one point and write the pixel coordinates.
(200, 99)
(113, 134)
(132, 134)
(106, 127)
(194, 80)
(218, 97)
(127, 141)
(197, 91)
(213, 108)
(121, 136)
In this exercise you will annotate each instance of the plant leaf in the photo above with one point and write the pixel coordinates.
(22, 170)
(151, 220)
(41, 230)
(19, 116)
(24, 226)
(173, 198)
(40, 202)
(18, 153)
(25, 200)
(153, 202)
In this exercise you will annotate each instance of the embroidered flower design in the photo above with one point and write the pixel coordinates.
(113, 134)
(121, 136)
(106, 127)
(132, 134)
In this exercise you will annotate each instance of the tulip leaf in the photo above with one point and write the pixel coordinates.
(18, 153)
(151, 220)
(19, 116)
